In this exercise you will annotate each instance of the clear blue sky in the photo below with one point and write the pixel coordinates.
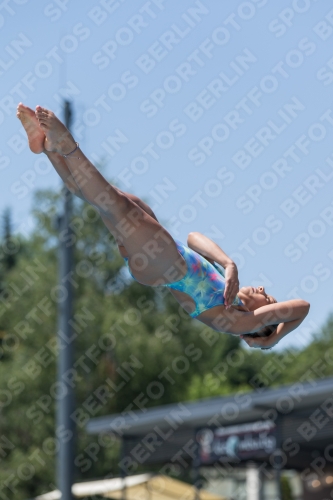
(219, 113)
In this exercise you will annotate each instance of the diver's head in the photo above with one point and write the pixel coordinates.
(253, 298)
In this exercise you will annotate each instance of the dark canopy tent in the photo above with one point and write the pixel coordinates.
(300, 416)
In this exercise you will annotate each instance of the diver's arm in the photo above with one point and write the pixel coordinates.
(289, 315)
(281, 331)
(212, 252)
(209, 249)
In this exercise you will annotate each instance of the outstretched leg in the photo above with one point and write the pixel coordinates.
(36, 138)
(152, 253)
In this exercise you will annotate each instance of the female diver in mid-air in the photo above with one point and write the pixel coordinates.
(154, 257)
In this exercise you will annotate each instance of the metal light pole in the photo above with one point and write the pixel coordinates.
(65, 407)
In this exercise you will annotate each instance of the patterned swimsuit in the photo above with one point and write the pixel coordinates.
(203, 282)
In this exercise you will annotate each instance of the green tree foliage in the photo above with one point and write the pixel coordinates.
(9, 249)
(134, 348)
(315, 361)
(286, 490)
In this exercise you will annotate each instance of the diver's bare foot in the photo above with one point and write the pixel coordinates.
(30, 123)
(58, 138)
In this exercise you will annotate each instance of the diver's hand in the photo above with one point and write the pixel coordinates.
(231, 284)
